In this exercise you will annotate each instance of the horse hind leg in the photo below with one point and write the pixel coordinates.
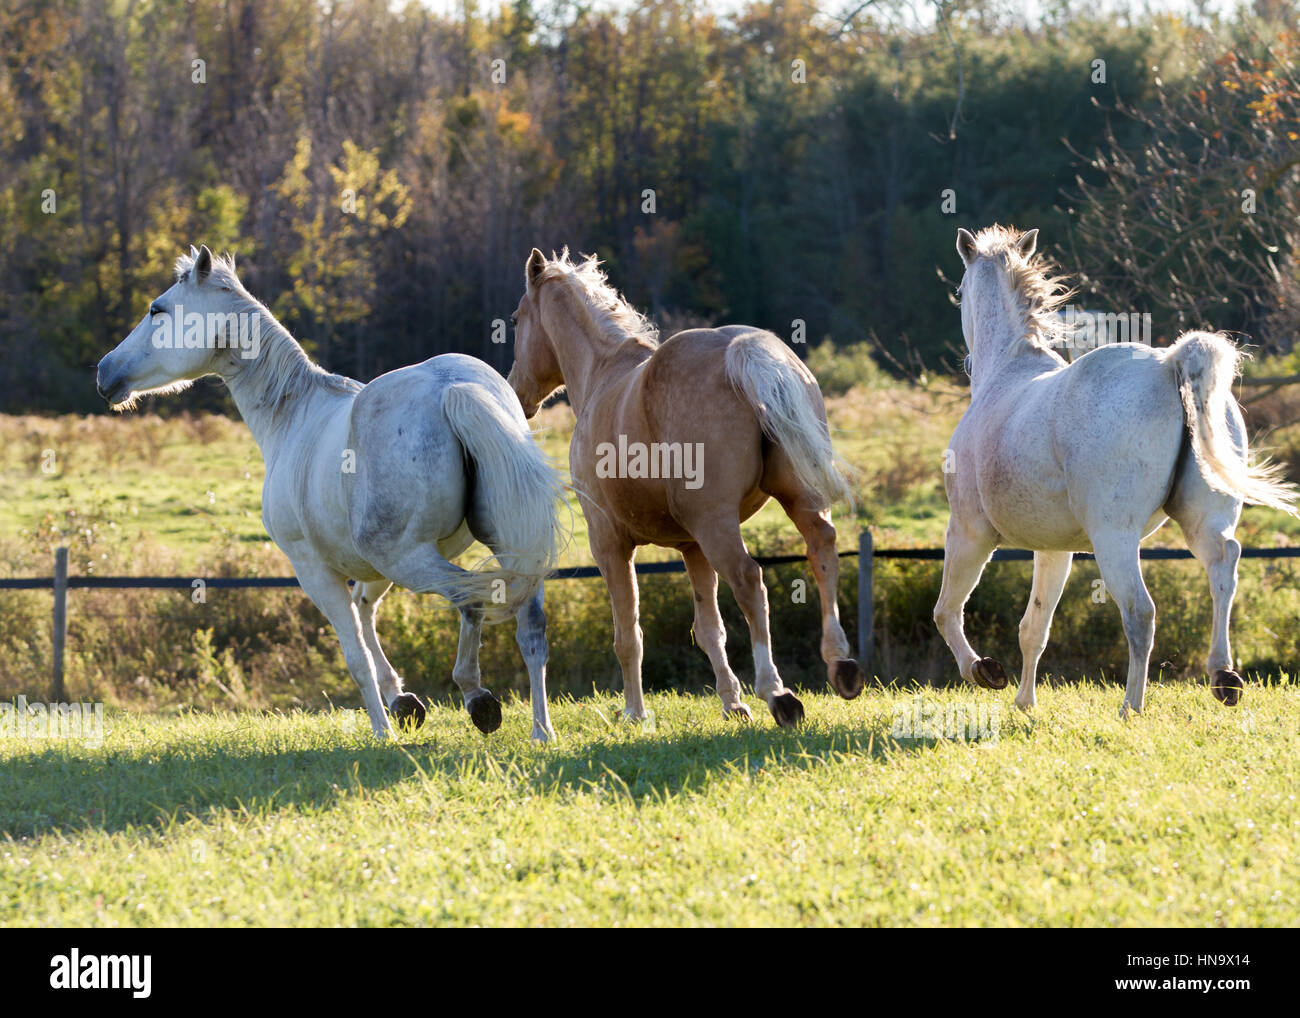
(406, 708)
(1209, 526)
(530, 633)
(965, 553)
(484, 708)
(722, 545)
(1121, 572)
(819, 538)
(1051, 570)
(710, 634)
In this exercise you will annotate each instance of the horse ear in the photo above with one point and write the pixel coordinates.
(1028, 244)
(202, 264)
(533, 270)
(965, 245)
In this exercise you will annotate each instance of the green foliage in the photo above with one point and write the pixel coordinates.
(778, 196)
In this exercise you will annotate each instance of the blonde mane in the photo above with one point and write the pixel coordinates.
(611, 314)
(1040, 290)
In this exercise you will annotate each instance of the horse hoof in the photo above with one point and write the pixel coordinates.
(485, 712)
(787, 710)
(740, 712)
(847, 678)
(1227, 688)
(989, 674)
(407, 711)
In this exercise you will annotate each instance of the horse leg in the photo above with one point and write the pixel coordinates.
(614, 559)
(819, 538)
(1051, 570)
(709, 633)
(530, 634)
(484, 708)
(405, 707)
(721, 543)
(964, 556)
(1210, 537)
(1121, 572)
(329, 592)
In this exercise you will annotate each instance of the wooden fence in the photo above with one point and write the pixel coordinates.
(866, 552)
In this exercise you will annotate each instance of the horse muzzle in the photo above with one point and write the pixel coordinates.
(112, 387)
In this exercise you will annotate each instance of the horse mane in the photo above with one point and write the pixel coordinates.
(282, 367)
(1040, 288)
(610, 312)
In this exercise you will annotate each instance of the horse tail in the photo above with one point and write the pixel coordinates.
(788, 403)
(521, 489)
(1205, 363)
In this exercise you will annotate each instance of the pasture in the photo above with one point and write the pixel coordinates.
(272, 805)
(1184, 816)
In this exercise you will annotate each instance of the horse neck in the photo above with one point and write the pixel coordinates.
(258, 385)
(589, 359)
(1001, 330)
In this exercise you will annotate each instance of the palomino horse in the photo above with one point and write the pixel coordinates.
(381, 483)
(675, 445)
(1062, 457)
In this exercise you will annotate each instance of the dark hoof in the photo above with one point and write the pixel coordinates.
(1227, 688)
(740, 712)
(407, 711)
(485, 712)
(787, 710)
(847, 678)
(989, 674)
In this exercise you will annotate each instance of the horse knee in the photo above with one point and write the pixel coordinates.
(1140, 619)
(1033, 638)
(627, 643)
(748, 586)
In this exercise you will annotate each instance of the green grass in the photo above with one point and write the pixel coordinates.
(1186, 815)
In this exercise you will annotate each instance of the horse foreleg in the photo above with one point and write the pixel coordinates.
(329, 592)
(964, 557)
(405, 707)
(709, 632)
(1051, 569)
(614, 559)
(1121, 572)
(530, 633)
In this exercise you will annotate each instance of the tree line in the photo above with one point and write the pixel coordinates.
(382, 171)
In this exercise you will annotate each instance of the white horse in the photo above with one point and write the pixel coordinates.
(380, 483)
(1091, 455)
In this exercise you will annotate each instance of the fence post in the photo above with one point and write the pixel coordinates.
(866, 614)
(60, 620)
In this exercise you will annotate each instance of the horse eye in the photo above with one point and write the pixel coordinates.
(514, 318)
(157, 309)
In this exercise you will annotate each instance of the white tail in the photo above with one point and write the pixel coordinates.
(1205, 364)
(523, 490)
(775, 383)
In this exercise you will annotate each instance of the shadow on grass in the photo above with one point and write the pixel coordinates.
(111, 791)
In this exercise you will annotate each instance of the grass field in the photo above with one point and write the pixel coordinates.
(1186, 815)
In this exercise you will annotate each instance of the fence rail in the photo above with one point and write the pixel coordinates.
(866, 552)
